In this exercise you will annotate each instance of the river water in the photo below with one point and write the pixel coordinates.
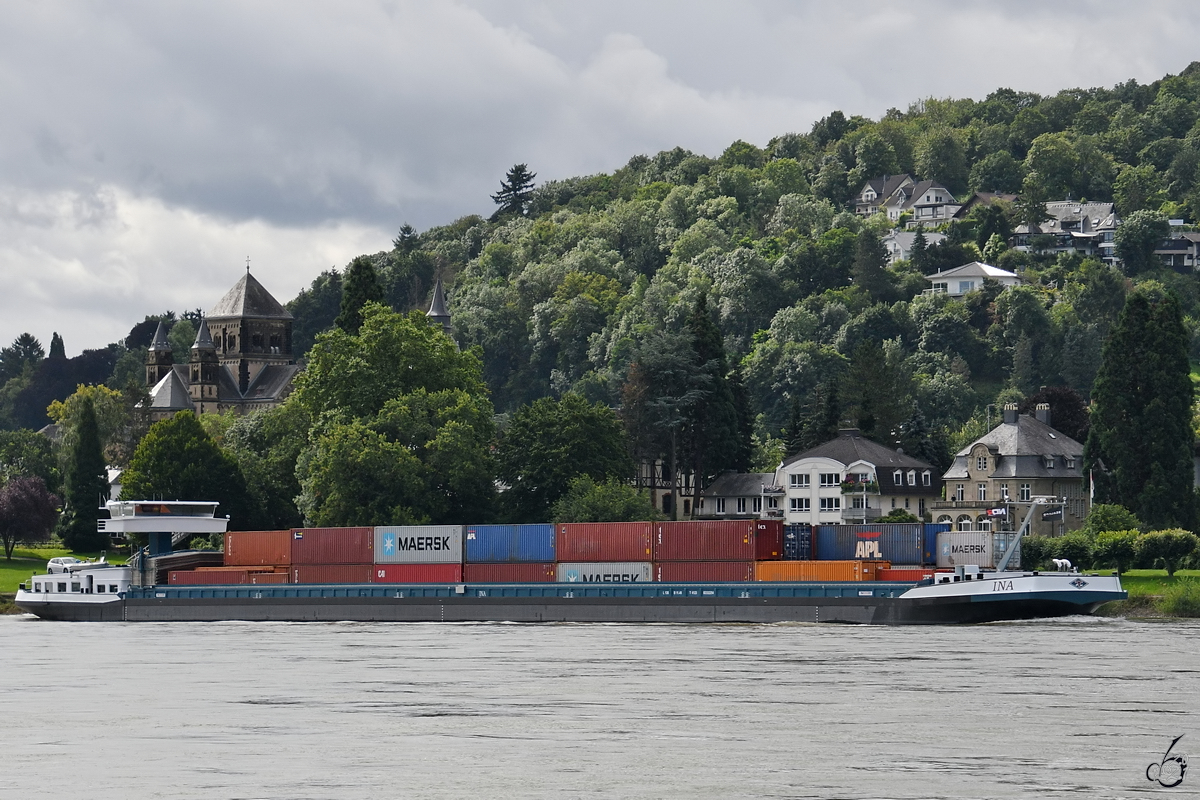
(1066, 708)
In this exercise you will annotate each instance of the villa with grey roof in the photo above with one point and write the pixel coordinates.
(1021, 458)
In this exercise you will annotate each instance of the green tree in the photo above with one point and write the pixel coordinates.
(1116, 549)
(58, 348)
(874, 156)
(1140, 444)
(940, 157)
(27, 512)
(832, 183)
(516, 190)
(997, 172)
(1170, 548)
(1108, 517)
(1031, 204)
(1075, 547)
(27, 453)
(177, 460)
(898, 515)
(392, 355)
(609, 501)
(1137, 237)
(406, 240)
(424, 458)
(870, 267)
(1139, 189)
(360, 287)
(549, 443)
(267, 445)
(25, 351)
(86, 483)
(717, 439)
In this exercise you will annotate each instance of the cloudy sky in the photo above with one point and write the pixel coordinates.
(148, 148)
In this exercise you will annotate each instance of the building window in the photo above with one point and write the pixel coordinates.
(799, 481)
(959, 493)
(720, 505)
(925, 479)
(897, 478)
(800, 504)
(831, 504)
(772, 502)
(741, 505)
(1049, 462)
(1026, 493)
(1070, 462)
(1004, 492)
(860, 502)
(757, 504)
(859, 477)
(912, 477)
(893, 502)
(62, 587)
(921, 506)
(830, 479)
(906, 502)
(981, 463)
(982, 489)
(112, 587)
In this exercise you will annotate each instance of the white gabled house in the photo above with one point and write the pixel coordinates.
(969, 277)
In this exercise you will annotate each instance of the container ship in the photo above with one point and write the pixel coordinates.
(730, 571)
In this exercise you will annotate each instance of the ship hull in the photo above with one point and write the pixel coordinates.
(856, 603)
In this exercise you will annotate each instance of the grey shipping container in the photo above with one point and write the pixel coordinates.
(418, 544)
(500, 544)
(897, 542)
(607, 572)
(981, 548)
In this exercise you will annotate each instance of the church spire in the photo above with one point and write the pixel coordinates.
(204, 340)
(437, 309)
(160, 338)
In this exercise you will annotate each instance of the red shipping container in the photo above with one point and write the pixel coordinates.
(332, 573)
(509, 573)
(703, 571)
(605, 541)
(718, 540)
(913, 574)
(326, 546)
(768, 539)
(417, 573)
(261, 578)
(258, 548)
(194, 578)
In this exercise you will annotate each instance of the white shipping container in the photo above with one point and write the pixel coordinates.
(418, 544)
(608, 572)
(956, 548)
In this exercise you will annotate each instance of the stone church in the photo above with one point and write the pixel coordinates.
(242, 358)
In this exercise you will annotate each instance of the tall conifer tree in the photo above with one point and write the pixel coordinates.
(359, 287)
(86, 483)
(1140, 446)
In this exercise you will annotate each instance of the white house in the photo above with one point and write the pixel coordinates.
(969, 277)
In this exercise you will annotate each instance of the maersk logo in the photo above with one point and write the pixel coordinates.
(414, 543)
(575, 576)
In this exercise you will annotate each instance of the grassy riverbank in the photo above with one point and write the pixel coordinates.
(26, 561)
(1153, 594)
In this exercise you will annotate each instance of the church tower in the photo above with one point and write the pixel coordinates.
(437, 309)
(203, 366)
(250, 331)
(159, 360)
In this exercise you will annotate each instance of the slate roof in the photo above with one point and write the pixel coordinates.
(910, 196)
(160, 341)
(437, 308)
(740, 484)
(851, 446)
(171, 394)
(271, 383)
(248, 298)
(1020, 448)
(885, 185)
(905, 238)
(204, 340)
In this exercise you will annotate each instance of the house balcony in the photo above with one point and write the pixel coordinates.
(858, 488)
(861, 516)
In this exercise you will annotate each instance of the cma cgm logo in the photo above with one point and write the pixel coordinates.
(419, 543)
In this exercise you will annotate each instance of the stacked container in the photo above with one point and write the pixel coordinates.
(818, 570)
(508, 544)
(797, 542)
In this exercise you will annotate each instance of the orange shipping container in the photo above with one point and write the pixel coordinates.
(194, 578)
(818, 570)
(258, 548)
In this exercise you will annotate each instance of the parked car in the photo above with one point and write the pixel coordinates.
(61, 564)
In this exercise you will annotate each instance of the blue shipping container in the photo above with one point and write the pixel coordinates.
(932, 529)
(897, 542)
(797, 542)
(502, 544)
